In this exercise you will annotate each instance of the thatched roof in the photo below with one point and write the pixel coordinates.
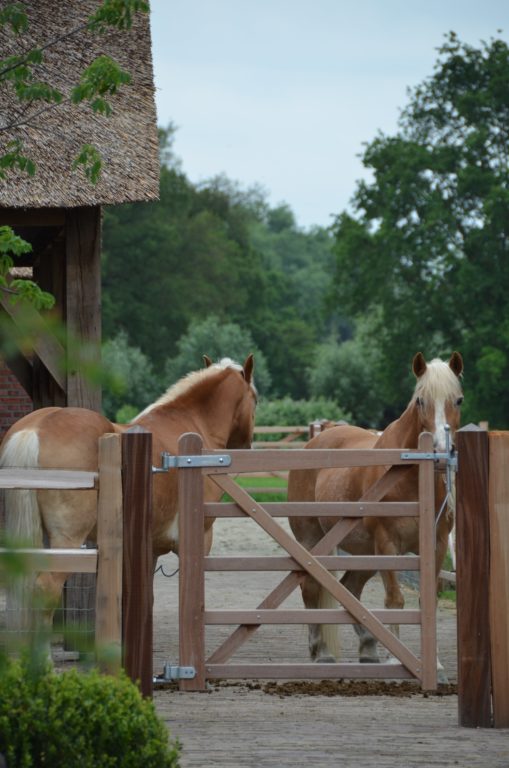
(127, 139)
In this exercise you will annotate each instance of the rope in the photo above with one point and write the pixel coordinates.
(166, 575)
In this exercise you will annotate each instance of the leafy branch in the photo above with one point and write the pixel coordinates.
(102, 78)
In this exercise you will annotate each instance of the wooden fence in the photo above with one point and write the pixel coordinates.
(193, 616)
(123, 557)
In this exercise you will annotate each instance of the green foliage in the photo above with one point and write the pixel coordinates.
(14, 16)
(91, 161)
(116, 13)
(132, 384)
(345, 373)
(216, 250)
(12, 245)
(77, 720)
(290, 413)
(102, 76)
(428, 246)
(217, 340)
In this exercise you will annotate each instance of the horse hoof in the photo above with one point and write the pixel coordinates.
(442, 678)
(369, 660)
(325, 660)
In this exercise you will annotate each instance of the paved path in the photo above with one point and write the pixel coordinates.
(257, 724)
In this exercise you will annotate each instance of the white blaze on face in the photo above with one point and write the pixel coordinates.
(440, 424)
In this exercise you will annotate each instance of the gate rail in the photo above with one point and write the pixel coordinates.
(193, 617)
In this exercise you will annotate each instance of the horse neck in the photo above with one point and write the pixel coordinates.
(206, 410)
(402, 433)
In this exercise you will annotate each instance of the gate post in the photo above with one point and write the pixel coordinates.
(138, 565)
(191, 566)
(108, 608)
(499, 575)
(427, 579)
(472, 578)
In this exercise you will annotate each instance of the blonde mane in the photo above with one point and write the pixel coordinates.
(188, 381)
(438, 382)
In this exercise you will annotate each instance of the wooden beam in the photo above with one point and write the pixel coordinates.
(83, 301)
(108, 604)
(47, 348)
(138, 562)
(499, 575)
(472, 585)
(32, 217)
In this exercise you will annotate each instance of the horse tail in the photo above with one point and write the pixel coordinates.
(329, 632)
(23, 523)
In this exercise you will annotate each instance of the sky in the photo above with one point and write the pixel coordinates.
(284, 94)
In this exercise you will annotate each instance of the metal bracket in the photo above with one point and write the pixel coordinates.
(174, 672)
(450, 458)
(449, 455)
(169, 461)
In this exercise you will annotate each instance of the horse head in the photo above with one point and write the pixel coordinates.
(241, 433)
(438, 396)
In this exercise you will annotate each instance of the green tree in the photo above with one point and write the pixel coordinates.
(216, 339)
(132, 381)
(428, 245)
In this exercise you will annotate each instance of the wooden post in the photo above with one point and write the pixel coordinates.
(472, 578)
(499, 575)
(427, 580)
(138, 565)
(108, 628)
(191, 566)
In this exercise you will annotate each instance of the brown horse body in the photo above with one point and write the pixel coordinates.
(217, 402)
(435, 403)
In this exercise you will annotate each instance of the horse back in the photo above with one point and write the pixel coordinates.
(67, 437)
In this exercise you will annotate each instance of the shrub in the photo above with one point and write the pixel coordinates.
(79, 720)
(291, 413)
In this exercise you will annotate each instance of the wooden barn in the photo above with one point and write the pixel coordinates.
(58, 210)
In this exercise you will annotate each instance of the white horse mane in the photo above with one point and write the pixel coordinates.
(189, 380)
(438, 382)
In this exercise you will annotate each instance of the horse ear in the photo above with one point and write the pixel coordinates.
(456, 363)
(418, 365)
(207, 361)
(248, 368)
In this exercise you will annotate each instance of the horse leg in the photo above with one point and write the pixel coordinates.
(322, 638)
(384, 545)
(442, 544)
(355, 581)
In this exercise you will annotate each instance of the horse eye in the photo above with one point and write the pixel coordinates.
(459, 401)
(419, 401)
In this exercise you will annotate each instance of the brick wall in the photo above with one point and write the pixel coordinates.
(14, 401)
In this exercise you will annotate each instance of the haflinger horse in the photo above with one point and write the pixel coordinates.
(435, 404)
(218, 402)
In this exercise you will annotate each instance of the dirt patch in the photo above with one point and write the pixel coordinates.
(403, 689)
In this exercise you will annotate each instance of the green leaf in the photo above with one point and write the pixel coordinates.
(90, 158)
(14, 15)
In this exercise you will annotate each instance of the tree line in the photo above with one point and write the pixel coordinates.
(419, 263)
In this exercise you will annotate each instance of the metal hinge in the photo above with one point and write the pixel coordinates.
(169, 461)
(174, 672)
(450, 458)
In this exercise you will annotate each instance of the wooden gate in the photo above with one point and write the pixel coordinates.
(194, 617)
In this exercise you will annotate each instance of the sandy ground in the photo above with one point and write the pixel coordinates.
(281, 725)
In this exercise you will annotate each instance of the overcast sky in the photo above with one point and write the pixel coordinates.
(283, 93)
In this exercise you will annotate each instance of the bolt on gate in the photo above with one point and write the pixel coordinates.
(194, 465)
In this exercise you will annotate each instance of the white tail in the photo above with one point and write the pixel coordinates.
(23, 524)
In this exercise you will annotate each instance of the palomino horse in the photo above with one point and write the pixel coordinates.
(435, 403)
(217, 402)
